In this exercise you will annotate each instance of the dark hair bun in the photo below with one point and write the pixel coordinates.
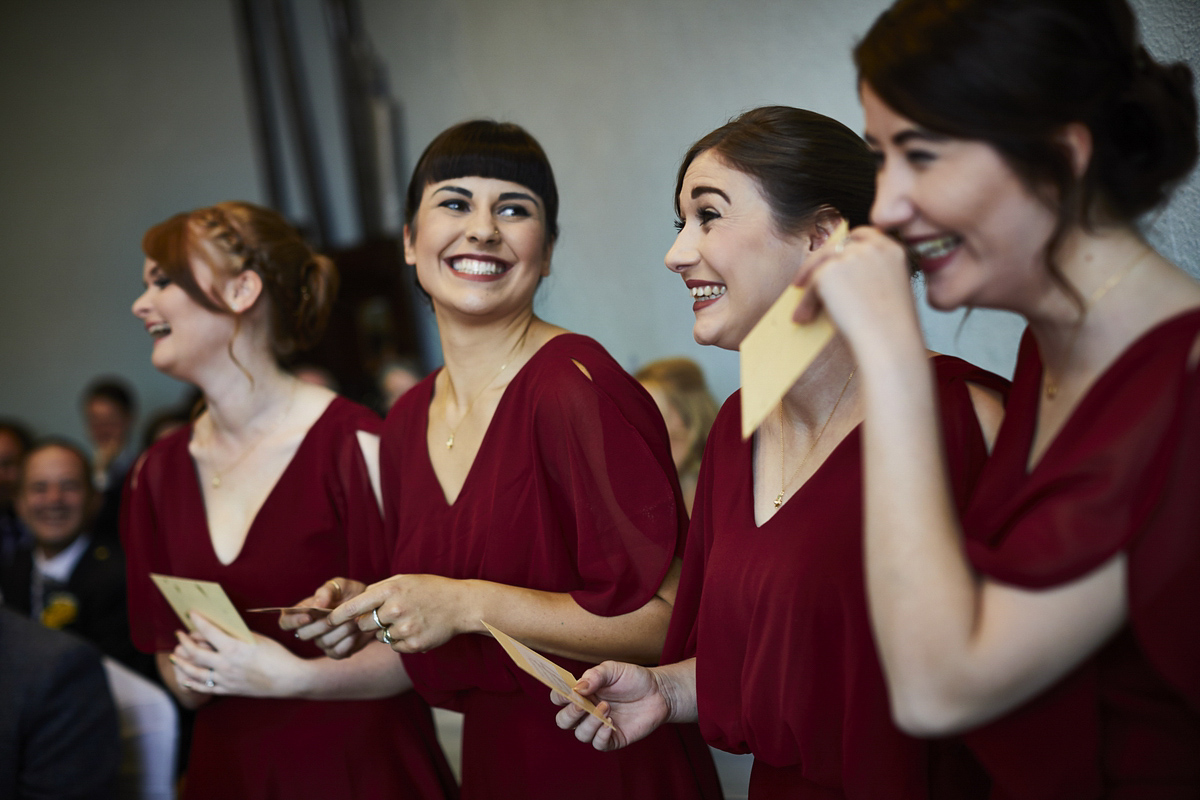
(1149, 143)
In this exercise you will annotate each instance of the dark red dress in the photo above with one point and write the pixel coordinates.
(777, 618)
(319, 520)
(1122, 475)
(573, 490)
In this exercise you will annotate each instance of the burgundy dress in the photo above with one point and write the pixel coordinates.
(1121, 476)
(786, 666)
(573, 490)
(319, 520)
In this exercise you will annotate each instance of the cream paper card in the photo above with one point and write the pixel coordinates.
(776, 351)
(545, 671)
(207, 598)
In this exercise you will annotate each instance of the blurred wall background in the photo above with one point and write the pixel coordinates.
(119, 113)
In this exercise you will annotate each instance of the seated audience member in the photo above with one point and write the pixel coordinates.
(14, 443)
(66, 578)
(71, 582)
(58, 725)
(109, 410)
(688, 408)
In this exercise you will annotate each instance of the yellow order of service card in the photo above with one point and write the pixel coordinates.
(776, 351)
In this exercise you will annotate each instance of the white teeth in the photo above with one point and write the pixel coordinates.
(936, 248)
(472, 266)
(161, 329)
(707, 292)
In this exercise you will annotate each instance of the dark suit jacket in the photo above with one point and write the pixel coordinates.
(58, 725)
(98, 587)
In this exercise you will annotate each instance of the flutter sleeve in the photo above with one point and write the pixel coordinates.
(682, 634)
(1164, 562)
(152, 623)
(603, 446)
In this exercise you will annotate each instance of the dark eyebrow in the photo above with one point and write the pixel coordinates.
(518, 196)
(908, 135)
(455, 189)
(699, 190)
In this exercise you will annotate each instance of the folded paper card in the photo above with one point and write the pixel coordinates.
(206, 598)
(776, 351)
(545, 671)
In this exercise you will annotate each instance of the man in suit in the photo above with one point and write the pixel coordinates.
(67, 580)
(58, 726)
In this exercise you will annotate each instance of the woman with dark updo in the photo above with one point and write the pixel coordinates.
(1018, 143)
(271, 489)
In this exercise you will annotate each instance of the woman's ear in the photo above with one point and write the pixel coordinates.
(824, 224)
(1076, 140)
(242, 291)
(410, 254)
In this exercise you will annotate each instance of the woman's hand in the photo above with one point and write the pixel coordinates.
(416, 612)
(635, 699)
(864, 283)
(340, 641)
(210, 661)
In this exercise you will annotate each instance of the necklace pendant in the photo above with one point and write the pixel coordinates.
(1051, 390)
(450, 442)
(216, 482)
(778, 501)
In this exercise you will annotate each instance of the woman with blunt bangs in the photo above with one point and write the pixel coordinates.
(1019, 142)
(770, 646)
(266, 492)
(529, 484)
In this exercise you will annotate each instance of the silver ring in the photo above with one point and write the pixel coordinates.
(387, 637)
(375, 616)
(210, 683)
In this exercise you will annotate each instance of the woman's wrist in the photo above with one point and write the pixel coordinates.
(677, 685)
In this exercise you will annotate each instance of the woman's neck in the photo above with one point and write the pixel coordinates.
(807, 404)
(238, 407)
(474, 354)
(1125, 288)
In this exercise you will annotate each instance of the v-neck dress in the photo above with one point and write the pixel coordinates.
(1121, 476)
(572, 490)
(321, 519)
(777, 618)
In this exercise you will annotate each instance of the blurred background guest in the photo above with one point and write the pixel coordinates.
(688, 408)
(396, 377)
(14, 443)
(109, 411)
(66, 578)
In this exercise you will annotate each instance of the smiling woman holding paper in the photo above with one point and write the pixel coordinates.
(273, 472)
(1019, 143)
(528, 483)
(771, 616)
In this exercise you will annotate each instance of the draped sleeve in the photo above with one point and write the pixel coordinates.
(618, 506)
(152, 622)
(1095, 489)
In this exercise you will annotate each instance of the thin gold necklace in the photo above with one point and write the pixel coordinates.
(471, 405)
(216, 478)
(1049, 385)
(783, 484)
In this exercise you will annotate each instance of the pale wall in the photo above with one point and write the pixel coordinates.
(119, 113)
